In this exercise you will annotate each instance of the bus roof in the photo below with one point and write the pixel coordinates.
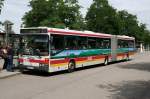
(124, 37)
(75, 32)
(78, 33)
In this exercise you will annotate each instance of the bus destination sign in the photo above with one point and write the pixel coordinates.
(33, 31)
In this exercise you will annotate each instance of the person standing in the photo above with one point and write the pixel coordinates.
(10, 58)
(3, 54)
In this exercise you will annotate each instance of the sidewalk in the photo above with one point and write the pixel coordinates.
(4, 73)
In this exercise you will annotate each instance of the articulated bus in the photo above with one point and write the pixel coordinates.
(52, 49)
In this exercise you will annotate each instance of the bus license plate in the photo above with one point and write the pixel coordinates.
(30, 67)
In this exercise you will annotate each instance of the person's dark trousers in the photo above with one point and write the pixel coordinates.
(5, 63)
(10, 63)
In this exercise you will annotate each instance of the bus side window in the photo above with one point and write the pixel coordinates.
(91, 43)
(119, 44)
(131, 44)
(70, 42)
(126, 44)
(82, 42)
(106, 43)
(56, 43)
(99, 43)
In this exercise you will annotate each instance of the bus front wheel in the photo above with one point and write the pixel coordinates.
(21, 69)
(71, 66)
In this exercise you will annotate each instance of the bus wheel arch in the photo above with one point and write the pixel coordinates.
(71, 65)
(127, 57)
(106, 61)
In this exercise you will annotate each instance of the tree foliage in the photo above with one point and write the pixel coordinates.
(54, 13)
(101, 17)
(1, 4)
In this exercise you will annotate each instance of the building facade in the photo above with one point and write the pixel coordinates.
(2, 36)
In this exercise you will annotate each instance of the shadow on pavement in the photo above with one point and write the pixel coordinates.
(43, 74)
(138, 66)
(46, 74)
(129, 90)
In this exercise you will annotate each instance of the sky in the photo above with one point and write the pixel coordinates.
(14, 10)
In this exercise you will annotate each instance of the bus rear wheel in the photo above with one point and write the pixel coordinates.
(71, 66)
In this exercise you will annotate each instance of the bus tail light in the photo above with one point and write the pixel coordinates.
(20, 60)
(46, 60)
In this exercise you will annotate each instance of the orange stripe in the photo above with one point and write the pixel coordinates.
(77, 62)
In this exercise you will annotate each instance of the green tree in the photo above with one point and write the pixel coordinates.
(144, 34)
(129, 25)
(1, 4)
(70, 15)
(54, 13)
(101, 17)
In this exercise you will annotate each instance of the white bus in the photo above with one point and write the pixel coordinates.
(52, 49)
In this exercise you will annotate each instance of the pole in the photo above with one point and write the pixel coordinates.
(6, 36)
(7, 25)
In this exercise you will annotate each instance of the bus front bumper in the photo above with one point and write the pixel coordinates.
(38, 68)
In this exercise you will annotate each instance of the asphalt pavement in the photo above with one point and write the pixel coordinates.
(122, 80)
(6, 74)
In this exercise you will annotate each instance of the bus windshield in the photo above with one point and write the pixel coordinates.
(36, 45)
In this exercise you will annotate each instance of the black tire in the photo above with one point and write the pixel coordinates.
(21, 69)
(106, 61)
(71, 66)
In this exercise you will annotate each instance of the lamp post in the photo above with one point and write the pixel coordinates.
(8, 28)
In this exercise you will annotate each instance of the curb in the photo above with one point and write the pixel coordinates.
(7, 75)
